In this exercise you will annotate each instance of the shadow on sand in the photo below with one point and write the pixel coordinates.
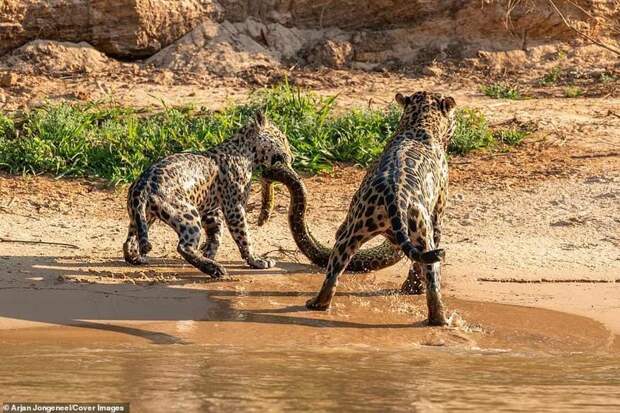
(36, 294)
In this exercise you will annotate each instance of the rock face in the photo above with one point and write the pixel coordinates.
(329, 53)
(454, 17)
(369, 33)
(146, 26)
(123, 28)
(226, 37)
(57, 58)
(218, 48)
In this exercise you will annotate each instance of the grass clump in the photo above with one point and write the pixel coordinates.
(472, 132)
(501, 91)
(118, 143)
(111, 143)
(510, 136)
(552, 77)
(7, 128)
(321, 137)
(607, 77)
(573, 92)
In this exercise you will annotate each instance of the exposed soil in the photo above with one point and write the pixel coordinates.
(133, 51)
(532, 234)
(537, 227)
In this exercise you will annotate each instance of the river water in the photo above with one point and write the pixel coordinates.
(192, 378)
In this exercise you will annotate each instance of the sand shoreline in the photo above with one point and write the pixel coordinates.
(222, 315)
(547, 210)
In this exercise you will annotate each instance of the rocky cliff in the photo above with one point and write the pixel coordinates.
(122, 28)
(228, 36)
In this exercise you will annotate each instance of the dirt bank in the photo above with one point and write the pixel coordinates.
(121, 28)
(237, 38)
(68, 271)
(204, 52)
(536, 227)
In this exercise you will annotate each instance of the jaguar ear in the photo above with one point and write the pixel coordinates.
(448, 104)
(277, 158)
(400, 99)
(260, 118)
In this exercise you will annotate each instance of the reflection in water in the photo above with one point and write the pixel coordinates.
(224, 378)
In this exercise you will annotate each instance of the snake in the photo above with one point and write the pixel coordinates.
(365, 260)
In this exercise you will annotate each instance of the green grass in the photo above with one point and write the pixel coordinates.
(573, 92)
(118, 143)
(510, 136)
(6, 126)
(606, 77)
(472, 132)
(552, 77)
(501, 91)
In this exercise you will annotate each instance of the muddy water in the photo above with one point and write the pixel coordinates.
(253, 346)
(228, 378)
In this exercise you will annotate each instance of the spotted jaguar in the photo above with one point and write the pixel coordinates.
(190, 191)
(402, 197)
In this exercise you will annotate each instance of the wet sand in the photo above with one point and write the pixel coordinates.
(265, 308)
(248, 344)
(532, 273)
(61, 266)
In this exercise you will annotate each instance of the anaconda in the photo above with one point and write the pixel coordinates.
(267, 201)
(369, 259)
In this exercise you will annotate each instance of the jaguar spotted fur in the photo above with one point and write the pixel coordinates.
(190, 191)
(402, 197)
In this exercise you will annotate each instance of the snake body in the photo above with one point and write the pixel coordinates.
(368, 259)
(267, 201)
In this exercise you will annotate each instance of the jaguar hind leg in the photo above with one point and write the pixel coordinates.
(133, 253)
(423, 236)
(189, 239)
(338, 261)
(131, 248)
(436, 311)
(184, 218)
(212, 225)
(189, 251)
(346, 246)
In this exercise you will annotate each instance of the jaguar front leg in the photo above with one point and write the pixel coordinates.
(237, 225)
(345, 248)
